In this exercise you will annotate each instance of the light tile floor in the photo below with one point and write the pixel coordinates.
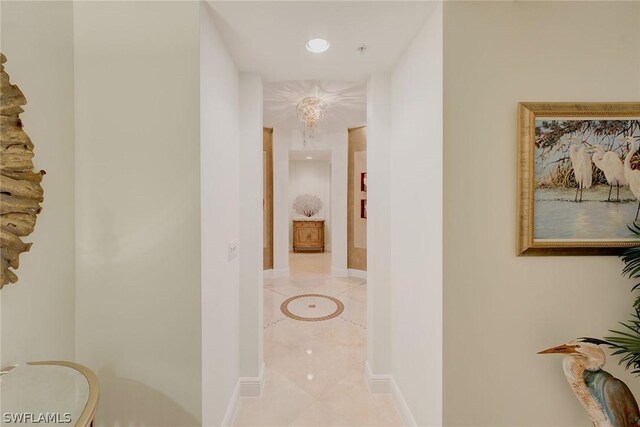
(315, 370)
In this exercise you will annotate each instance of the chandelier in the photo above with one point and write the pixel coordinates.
(310, 112)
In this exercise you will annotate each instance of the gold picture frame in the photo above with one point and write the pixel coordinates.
(546, 214)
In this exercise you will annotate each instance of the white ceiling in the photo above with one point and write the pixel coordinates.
(269, 37)
(346, 101)
(324, 155)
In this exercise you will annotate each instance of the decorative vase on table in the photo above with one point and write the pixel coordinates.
(308, 232)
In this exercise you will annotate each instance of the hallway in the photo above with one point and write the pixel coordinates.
(315, 369)
(167, 129)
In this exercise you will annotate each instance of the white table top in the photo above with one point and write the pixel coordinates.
(58, 392)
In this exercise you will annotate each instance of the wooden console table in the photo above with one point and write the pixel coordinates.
(308, 235)
(63, 393)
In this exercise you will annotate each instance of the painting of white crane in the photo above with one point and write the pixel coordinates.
(611, 166)
(578, 177)
(581, 164)
(577, 165)
(632, 175)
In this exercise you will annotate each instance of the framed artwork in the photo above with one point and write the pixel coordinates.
(578, 178)
(363, 208)
(363, 181)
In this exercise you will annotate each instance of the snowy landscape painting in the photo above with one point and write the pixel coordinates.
(585, 174)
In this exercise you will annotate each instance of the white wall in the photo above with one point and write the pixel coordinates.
(378, 225)
(416, 223)
(338, 140)
(251, 225)
(500, 309)
(281, 143)
(138, 316)
(313, 177)
(220, 167)
(288, 136)
(38, 311)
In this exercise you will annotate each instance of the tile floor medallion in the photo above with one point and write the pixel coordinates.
(324, 307)
(314, 373)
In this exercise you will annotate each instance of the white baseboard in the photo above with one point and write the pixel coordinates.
(378, 384)
(245, 387)
(360, 274)
(280, 272)
(267, 274)
(401, 405)
(385, 384)
(252, 386)
(340, 272)
(232, 408)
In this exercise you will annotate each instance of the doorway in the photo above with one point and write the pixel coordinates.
(267, 197)
(357, 202)
(310, 225)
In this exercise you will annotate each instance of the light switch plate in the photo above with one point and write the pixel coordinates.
(233, 249)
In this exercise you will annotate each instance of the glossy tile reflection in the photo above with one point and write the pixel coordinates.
(314, 370)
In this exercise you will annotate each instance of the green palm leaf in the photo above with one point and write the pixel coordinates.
(626, 342)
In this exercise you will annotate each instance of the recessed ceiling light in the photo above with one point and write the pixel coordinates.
(317, 45)
(309, 158)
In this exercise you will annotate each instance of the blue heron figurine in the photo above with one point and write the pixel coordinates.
(608, 400)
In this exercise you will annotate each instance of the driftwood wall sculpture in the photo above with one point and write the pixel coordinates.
(20, 190)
